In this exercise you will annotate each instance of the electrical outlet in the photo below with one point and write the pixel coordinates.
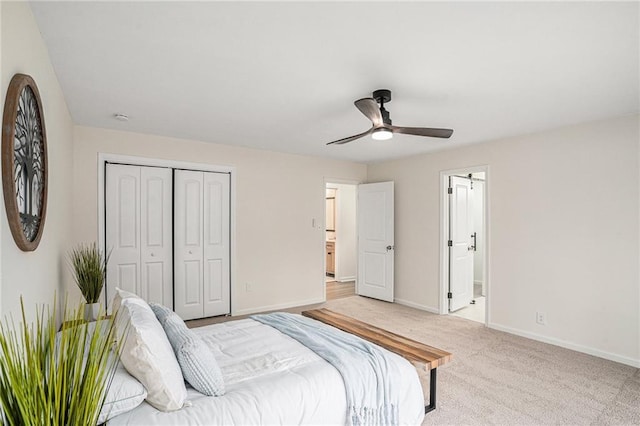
(541, 318)
(247, 287)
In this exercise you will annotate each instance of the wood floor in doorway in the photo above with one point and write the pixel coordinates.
(338, 290)
(335, 290)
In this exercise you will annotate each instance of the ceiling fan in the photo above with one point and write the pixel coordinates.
(382, 128)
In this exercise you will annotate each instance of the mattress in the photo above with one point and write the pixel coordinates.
(270, 378)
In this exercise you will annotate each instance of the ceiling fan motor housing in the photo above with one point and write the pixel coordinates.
(383, 96)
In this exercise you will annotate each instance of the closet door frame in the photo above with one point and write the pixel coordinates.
(104, 158)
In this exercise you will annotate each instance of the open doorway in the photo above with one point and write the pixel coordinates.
(340, 239)
(464, 252)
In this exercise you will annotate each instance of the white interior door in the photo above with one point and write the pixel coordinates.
(122, 220)
(460, 243)
(138, 204)
(216, 244)
(375, 240)
(188, 244)
(156, 235)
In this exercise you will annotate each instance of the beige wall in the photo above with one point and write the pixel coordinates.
(278, 252)
(37, 275)
(564, 242)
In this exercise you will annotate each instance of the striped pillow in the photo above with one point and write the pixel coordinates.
(199, 367)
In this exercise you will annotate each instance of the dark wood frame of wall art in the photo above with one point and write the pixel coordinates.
(18, 83)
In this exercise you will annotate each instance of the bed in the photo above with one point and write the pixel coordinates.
(269, 377)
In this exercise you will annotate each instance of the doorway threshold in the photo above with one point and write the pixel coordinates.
(474, 312)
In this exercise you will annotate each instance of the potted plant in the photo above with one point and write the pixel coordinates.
(89, 269)
(56, 378)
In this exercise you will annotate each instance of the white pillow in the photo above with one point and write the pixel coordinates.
(122, 295)
(147, 355)
(125, 393)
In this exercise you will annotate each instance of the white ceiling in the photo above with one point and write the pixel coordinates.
(283, 76)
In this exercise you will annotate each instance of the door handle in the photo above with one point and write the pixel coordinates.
(389, 248)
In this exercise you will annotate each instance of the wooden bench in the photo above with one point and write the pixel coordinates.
(419, 354)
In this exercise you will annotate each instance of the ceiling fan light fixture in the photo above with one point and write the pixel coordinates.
(382, 134)
(381, 128)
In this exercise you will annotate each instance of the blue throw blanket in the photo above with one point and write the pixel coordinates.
(367, 370)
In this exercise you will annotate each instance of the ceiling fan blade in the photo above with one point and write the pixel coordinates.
(351, 138)
(422, 131)
(369, 107)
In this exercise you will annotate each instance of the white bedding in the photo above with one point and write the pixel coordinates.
(270, 379)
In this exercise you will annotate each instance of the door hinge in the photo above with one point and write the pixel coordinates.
(449, 190)
(449, 295)
(450, 243)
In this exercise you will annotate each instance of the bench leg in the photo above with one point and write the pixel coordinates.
(432, 392)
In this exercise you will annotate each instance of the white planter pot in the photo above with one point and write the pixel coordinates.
(91, 311)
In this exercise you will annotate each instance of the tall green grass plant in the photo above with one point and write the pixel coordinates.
(89, 269)
(50, 378)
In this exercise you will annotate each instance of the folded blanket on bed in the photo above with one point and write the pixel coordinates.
(367, 370)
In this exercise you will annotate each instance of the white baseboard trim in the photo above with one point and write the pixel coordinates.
(276, 307)
(477, 283)
(345, 279)
(416, 306)
(569, 345)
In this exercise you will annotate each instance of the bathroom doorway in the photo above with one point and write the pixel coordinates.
(341, 243)
(464, 210)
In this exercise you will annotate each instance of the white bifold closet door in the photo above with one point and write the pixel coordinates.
(201, 244)
(138, 234)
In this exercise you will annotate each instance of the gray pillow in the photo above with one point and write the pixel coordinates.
(199, 367)
(162, 312)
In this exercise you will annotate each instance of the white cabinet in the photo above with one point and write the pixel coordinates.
(201, 244)
(139, 237)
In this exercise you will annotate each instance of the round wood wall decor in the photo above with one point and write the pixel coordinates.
(24, 162)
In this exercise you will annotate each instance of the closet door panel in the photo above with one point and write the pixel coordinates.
(122, 197)
(188, 250)
(127, 277)
(192, 208)
(153, 277)
(215, 278)
(216, 244)
(193, 284)
(156, 235)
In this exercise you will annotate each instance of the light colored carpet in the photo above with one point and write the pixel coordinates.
(497, 378)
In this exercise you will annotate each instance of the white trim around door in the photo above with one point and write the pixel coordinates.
(104, 158)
